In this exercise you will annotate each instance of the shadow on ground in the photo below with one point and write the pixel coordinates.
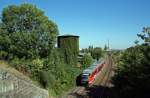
(76, 95)
(99, 92)
(95, 92)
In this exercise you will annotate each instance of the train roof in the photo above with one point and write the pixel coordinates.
(87, 71)
(92, 67)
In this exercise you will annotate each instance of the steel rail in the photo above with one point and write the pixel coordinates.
(108, 77)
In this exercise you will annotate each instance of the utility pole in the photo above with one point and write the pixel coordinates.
(108, 44)
(24, 1)
(0, 17)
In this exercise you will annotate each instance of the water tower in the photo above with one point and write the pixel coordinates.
(69, 44)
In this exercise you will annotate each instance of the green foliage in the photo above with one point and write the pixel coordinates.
(116, 55)
(62, 76)
(132, 78)
(70, 47)
(136, 42)
(52, 73)
(44, 79)
(145, 35)
(28, 67)
(27, 39)
(105, 47)
(26, 32)
(87, 59)
(3, 55)
(21, 65)
(96, 52)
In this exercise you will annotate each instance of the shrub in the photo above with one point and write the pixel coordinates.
(3, 55)
(44, 80)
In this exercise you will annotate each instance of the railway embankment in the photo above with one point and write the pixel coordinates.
(15, 85)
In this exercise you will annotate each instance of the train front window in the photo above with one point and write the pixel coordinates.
(84, 77)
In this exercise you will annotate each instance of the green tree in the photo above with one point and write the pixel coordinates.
(97, 53)
(136, 42)
(70, 48)
(105, 47)
(26, 32)
(145, 35)
(132, 78)
(87, 59)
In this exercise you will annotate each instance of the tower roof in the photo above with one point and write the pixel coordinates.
(68, 35)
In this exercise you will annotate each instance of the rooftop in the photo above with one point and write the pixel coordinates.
(68, 35)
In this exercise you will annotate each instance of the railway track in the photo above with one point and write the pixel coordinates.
(76, 92)
(107, 75)
(106, 79)
(99, 89)
(101, 82)
(103, 75)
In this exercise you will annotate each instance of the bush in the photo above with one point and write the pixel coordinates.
(52, 73)
(132, 79)
(44, 80)
(60, 75)
(3, 55)
(87, 59)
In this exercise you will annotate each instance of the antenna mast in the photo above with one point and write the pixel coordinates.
(24, 1)
(108, 44)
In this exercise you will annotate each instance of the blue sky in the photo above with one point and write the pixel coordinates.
(96, 21)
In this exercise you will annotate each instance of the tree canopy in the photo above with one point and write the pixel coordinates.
(87, 59)
(26, 32)
(96, 52)
(132, 78)
(145, 35)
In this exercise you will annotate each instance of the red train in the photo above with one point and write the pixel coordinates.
(89, 74)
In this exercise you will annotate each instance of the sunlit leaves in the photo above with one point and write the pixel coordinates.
(26, 31)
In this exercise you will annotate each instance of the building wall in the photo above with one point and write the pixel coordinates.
(70, 46)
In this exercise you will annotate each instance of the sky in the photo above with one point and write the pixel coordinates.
(95, 21)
